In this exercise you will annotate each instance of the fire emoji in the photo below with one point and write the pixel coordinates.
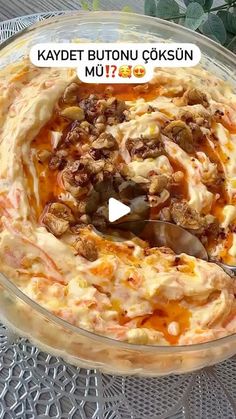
(139, 71)
(125, 71)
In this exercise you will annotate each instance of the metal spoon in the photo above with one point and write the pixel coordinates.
(161, 233)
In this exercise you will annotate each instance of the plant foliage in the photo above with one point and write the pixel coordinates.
(218, 23)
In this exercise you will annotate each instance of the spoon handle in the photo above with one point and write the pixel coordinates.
(229, 269)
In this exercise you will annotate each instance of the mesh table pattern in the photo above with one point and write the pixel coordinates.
(34, 384)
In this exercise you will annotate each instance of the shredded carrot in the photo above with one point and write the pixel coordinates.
(47, 259)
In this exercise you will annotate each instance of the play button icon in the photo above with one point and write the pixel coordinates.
(117, 210)
(112, 202)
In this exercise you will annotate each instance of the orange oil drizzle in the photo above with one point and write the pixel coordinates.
(48, 185)
(161, 317)
(49, 189)
(125, 92)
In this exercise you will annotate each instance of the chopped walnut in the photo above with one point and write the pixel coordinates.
(111, 109)
(115, 111)
(81, 173)
(81, 207)
(145, 148)
(105, 141)
(82, 179)
(57, 161)
(79, 176)
(195, 96)
(76, 132)
(93, 166)
(196, 132)
(43, 155)
(75, 113)
(186, 116)
(77, 228)
(72, 185)
(185, 216)
(92, 108)
(101, 119)
(201, 117)
(86, 248)
(70, 93)
(96, 154)
(181, 134)
(86, 126)
(158, 184)
(61, 211)
(99, 127)
(55, 225)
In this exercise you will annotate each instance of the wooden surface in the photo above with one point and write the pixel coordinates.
(13, 8)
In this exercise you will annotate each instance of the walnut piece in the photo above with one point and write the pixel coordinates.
(75, 113)
(181, 134)
(55, 225)
(61, 211)
(195, 96)
(70, 93)
(43, 156)
(72, 185)
(57, 161)
(86, 248)
(158, 184)
(185, 216)
(111, 109)
(145, 148)
(105, 141)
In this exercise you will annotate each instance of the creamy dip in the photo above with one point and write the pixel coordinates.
(176, 137)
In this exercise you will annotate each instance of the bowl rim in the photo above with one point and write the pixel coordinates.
(115, 15)
(107, 16)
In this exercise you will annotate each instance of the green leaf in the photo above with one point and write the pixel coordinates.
(166, 9)
(150, 7)
(229, 38)
(229, 20)
(127, 9)
(96, 4)
(207, 5)
(194, 16)
(214, 28)
(84, 5)
(201, 2)
(232, 45)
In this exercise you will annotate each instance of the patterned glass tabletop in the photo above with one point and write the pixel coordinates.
(34, 384)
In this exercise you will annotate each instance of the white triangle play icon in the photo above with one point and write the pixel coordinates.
(116, 210)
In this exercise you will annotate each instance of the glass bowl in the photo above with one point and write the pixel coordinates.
(29, 319)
